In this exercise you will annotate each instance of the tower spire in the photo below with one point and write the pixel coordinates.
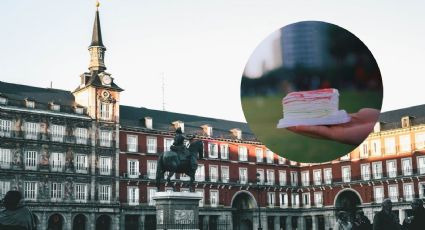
(96, 48)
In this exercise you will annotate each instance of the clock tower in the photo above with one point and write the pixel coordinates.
(97, 91)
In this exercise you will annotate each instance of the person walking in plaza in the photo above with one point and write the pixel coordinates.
(16, 216)
(386, 219)
(342, 222)
(361, 222)
(417, 221)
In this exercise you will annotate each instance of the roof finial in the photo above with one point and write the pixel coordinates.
(97, 4)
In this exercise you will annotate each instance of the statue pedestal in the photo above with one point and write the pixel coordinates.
(177, 210)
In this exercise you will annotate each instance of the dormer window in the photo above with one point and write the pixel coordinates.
(84, 79)
(345, 157)
(148, 122)
(79, 110)
(179, 124)
(377, 127)
(30, 104)
(55, 107)
(208, 130)
(405, 122)
(3, 100)
(237, 133)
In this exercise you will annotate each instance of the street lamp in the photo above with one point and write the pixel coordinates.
(258, 205)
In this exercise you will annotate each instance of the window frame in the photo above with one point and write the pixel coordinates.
(153, 146)
(242, 153)
(105, 169)
(132, 143)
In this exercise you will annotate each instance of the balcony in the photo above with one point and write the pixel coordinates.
(365, 176)
(283, 205)
(319, 205)
(44, 137)
(295, 205)
(377, 175)
(213, 179)
(394, 198)
(379, 199)
(81, 141)
(5, 133)
(32, 167)
(83, 170)
(244, 181)
(57, 138)
(132, 175)
(133, 202)
(408, 197)
(270, 183)
(57, 168)
(391, 173)
(105, 143)
(151, 175)
(407, 172)
(346, 179)
(5, 165)
(105, 171)
(272, 205)
(32, 135)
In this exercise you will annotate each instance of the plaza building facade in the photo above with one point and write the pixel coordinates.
(83, 161)
(60, 148)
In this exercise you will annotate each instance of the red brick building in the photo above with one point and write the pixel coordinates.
(389, 164)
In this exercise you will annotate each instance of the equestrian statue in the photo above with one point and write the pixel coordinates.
(180, 159)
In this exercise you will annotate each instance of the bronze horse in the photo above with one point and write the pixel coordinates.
(171, 162)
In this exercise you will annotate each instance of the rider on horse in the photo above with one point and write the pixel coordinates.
(180, 159)
(180, 148)
(178, 145)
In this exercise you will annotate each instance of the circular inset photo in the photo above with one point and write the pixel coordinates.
(311, 91)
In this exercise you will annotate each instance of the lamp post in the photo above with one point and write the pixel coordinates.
(258, 195)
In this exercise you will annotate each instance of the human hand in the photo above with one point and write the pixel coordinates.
(353, 132)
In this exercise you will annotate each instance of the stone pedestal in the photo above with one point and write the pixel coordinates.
(177, 210)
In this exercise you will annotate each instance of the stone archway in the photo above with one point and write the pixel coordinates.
(79, 222)
(56, 222)
(103, 222)
(348, 200)
(245, 204)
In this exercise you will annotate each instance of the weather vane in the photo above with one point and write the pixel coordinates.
(97, 4)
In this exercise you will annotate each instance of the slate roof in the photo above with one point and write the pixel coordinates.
(17, 94)
(133, 117)
(392, 119)
(162, 120)
(97, 33)
(130, 117)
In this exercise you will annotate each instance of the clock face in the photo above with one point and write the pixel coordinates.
(106, 80)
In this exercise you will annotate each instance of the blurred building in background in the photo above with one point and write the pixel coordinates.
(305, 44)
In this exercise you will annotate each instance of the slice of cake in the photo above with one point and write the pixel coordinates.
(315, 107)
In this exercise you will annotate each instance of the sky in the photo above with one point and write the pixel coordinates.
(199, 47)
